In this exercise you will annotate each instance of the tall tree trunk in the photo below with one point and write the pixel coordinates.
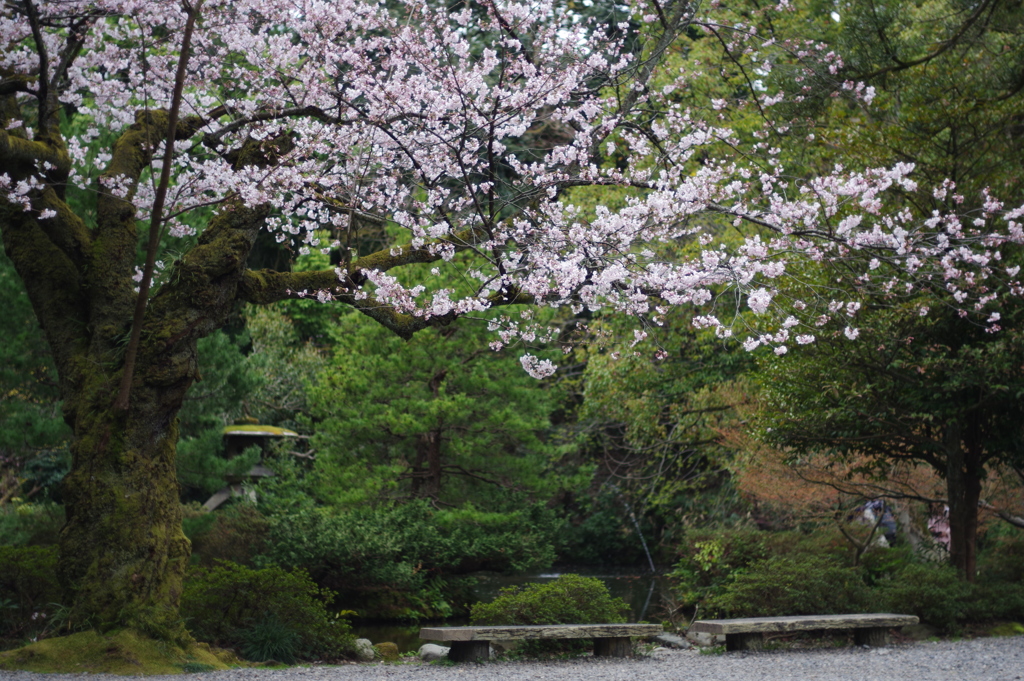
(963, 488)
(123, 554)
(427, 475)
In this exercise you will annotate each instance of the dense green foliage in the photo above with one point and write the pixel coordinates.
(237, 533)
(749, 573)
(404, 561)
(424, 461)
(440, 417)
(570, 599)
(267, 613)
(29, 593)
(33, 436)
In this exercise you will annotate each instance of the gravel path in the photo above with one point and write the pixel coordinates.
(988, 659)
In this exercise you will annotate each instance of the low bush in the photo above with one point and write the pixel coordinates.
(29, 592)
(31, 524)
(570, 599)
(1002, 559)
(932, 591)
(792, 585)
(745, 573)
(236, 534)
(404, 561)
(995, 601)
(709, 560)
(267, 613)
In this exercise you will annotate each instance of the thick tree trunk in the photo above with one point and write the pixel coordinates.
(122, 552)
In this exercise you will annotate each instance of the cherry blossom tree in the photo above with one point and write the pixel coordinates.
(459, 129)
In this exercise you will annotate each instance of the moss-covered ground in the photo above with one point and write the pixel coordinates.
(122, 652)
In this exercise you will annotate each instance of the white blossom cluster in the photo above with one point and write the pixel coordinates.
(465, 131)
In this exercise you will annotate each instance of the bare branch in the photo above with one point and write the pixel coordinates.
(121, 403)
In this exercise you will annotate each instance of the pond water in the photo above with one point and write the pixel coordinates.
(643, 592)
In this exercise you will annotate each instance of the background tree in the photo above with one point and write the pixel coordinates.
(922, 386)
(918, 389)
(33, 439)
(650, 417)
(441, 417)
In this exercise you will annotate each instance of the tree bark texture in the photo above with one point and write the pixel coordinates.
(122, 553)
(964, 471)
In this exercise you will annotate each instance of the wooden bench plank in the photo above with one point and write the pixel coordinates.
(751, 625)
(534, 632)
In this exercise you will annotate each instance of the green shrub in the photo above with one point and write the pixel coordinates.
(236, 534)
(29, 592)
(570, 599)
(31, 524)
(746, 573)
(791, 585)
(709, 560)
(236, 606)
(823, 541)
(270, 639)
(933, 592)
(993, 601)
(881, 565)
(1002, 559)
(403, 562)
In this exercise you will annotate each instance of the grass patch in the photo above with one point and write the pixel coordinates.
(1007, 629)
(122, 652)
(712, 650)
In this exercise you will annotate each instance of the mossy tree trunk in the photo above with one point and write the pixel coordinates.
(122, 552)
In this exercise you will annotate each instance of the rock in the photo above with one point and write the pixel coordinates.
(430, 652)
(364, 650)
(388, 651)
(672, 641)
(703, 639)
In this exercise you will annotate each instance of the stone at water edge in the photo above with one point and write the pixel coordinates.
(364, 650)
(430, 652)
(388, 651)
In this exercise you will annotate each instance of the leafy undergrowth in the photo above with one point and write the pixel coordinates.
(123, 652)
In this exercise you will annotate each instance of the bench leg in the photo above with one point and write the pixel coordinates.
(875, 637)
(618, 646)
(470, 651)
(744, 641)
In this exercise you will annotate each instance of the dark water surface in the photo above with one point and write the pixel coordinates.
(642, 592)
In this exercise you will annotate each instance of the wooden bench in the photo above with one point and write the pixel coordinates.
(748, 633)
(473, 644)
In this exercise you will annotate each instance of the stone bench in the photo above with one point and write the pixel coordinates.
(473, 644)
(748, 633)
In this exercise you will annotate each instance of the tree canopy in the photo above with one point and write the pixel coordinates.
(455, 134)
